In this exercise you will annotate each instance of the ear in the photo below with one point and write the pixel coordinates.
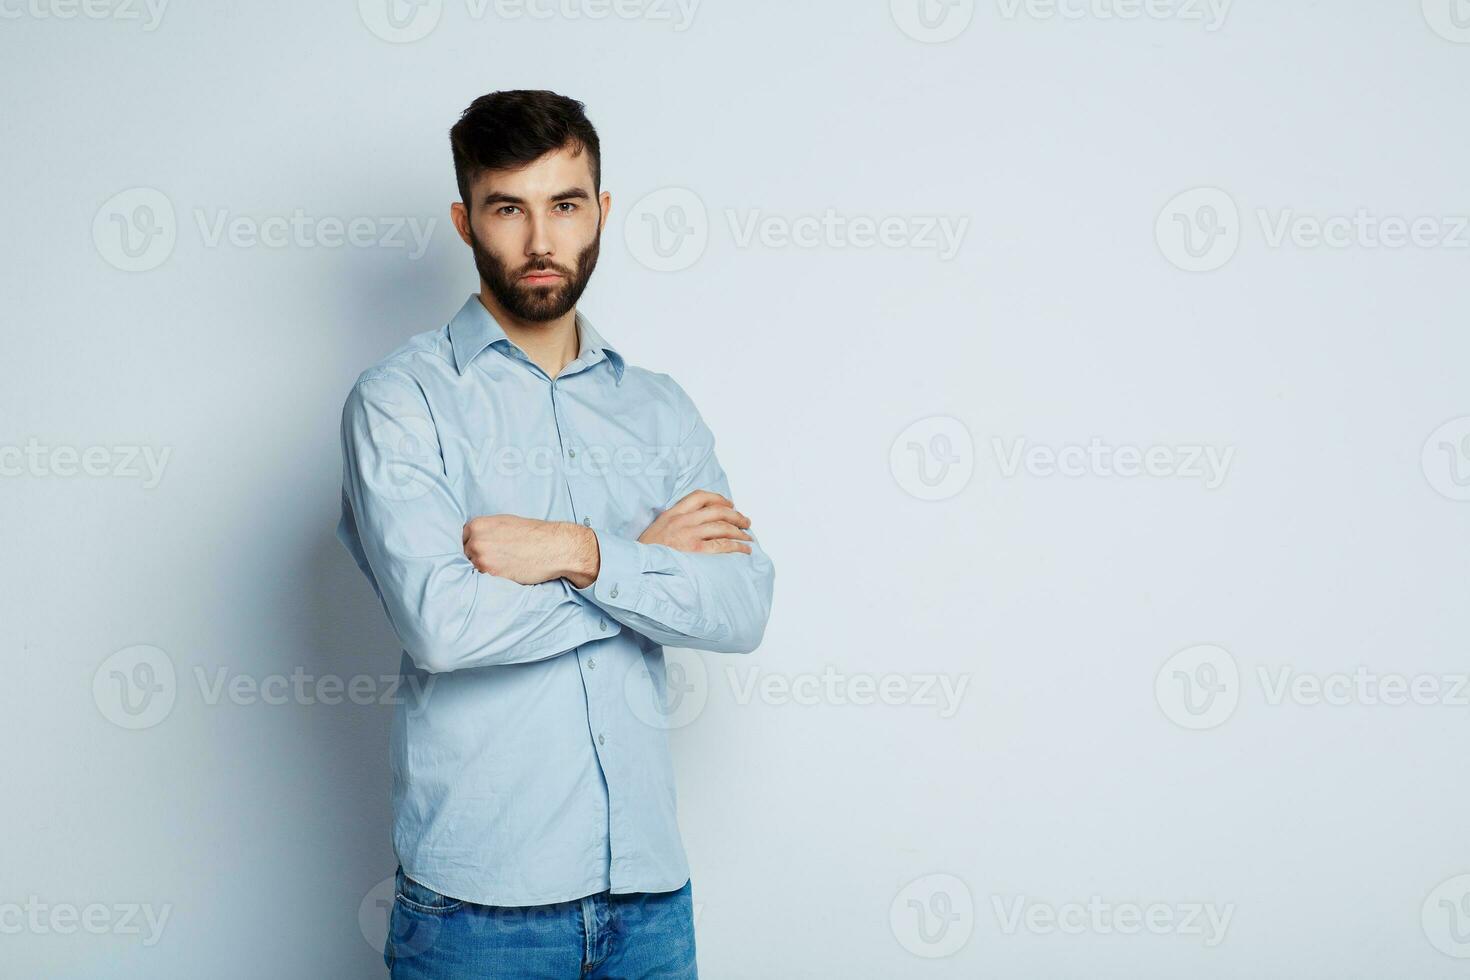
(460, 215)
(605, 200)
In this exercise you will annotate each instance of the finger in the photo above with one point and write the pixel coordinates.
(722, 529)
(696, 499)
(721, 513)
(718, 546)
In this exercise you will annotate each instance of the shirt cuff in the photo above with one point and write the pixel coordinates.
(620, 565)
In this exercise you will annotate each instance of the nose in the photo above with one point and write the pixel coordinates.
(538, 246)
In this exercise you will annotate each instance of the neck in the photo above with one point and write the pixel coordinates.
(550, 344)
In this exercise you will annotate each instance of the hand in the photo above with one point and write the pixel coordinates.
(702, 522)
(519, 548)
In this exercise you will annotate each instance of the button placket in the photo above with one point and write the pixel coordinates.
(568, 452)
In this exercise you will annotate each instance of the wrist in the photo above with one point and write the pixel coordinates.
(582, 556)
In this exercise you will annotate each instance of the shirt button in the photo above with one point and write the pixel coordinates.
(586, 522)
(591, 664)
(572, 453)
(602, 624)
(614, 593)
(600, 740)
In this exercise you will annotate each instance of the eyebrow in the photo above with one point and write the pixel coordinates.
(498, 197)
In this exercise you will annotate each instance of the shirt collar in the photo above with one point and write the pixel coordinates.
(473, 329)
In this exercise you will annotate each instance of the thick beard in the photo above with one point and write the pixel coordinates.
(535, 303)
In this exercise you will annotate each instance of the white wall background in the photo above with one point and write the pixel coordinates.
(1078, 765)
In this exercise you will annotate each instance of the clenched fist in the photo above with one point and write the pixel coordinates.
(521, 549)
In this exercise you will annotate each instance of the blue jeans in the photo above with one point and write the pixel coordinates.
(606, 936)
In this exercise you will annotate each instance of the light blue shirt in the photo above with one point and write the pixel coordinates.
(528, 760)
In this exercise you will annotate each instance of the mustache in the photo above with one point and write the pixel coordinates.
(529, 270)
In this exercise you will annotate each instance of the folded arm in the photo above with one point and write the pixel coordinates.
(395, 495)
(717, 598)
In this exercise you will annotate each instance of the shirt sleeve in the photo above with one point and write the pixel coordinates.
(718, 602)
(398, 501)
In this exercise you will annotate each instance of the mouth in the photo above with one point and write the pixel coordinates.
(540, 278)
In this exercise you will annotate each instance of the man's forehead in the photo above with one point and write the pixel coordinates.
(549, 174)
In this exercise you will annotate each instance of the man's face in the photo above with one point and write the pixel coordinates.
(535, 233)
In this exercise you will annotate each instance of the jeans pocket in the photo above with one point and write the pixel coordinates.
(421, 898)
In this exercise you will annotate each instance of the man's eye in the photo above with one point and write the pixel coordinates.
(507, 207)
(570, 207)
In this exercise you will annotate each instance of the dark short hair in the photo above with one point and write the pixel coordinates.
(506, 130)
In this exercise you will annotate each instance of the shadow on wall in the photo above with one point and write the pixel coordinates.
(347, 633)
